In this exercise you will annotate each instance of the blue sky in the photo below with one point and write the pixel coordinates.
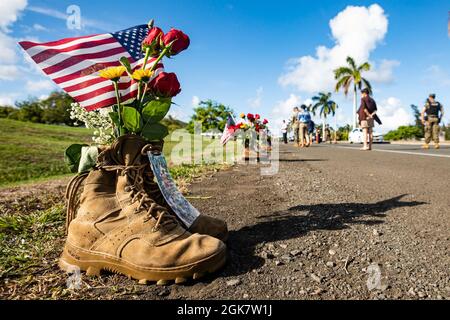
(259, 56)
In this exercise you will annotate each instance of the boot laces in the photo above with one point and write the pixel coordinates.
(138, 193)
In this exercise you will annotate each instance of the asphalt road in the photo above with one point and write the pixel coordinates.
(411, 149)
(331, 215)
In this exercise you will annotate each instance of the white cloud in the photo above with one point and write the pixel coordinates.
(256, 101)
(10, 10)
(38, 86)
(9, 72)
(356, 31)
(393, 114)
(8, 53)
(283, 109)
(195, 101)
(437, 76)
(85, 22)
(382, 73)
(7, 99)
(39, 27)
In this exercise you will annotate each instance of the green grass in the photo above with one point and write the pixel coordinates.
(32, 152)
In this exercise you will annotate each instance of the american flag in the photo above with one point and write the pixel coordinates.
(230, 130)
(73, 64)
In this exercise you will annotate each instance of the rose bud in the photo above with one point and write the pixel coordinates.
(250, 116)
(257, 117)
(165, 85)
(152, 41)
(242, 115)
(265, 121)
(180, 41)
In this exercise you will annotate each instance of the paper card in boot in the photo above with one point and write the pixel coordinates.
(183, 209)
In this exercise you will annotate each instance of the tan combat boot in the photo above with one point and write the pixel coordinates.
(121, 229)
(203, 225)
(437, 146)
(425, 147)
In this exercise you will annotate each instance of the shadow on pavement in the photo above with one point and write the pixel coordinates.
(298, 221)
(302, 160)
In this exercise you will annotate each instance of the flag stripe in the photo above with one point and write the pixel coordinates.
(97, 56)
(33, 48)
(53, 56)
(89, 67)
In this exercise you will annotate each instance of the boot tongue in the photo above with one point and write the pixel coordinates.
(127, 150)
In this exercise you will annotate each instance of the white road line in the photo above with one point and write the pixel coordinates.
(403, 152)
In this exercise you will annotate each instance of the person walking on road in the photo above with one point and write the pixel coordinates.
(295, 126)
(284, 131)
(432, 114)
(367, 116)
(304, 118)
(311, 130)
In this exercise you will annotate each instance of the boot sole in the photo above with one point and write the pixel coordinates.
(93, 263)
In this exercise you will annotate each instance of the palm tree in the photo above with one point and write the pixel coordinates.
(327, 107)
(352, 75)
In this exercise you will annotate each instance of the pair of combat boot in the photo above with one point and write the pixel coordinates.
(121, 223)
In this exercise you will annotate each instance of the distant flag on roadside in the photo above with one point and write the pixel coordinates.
(230, 129)
(73, 64)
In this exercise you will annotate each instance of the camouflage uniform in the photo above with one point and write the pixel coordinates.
(432, 127)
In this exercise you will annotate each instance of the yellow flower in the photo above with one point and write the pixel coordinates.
(113, 73)
(242, 115)
(142, 75)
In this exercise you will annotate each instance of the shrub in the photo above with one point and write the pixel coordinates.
(404, 133)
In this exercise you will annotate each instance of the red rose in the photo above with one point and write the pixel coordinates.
(152, 41)
(257, 117)
(181, 41)
(250, 117)
(165, 85)
(265, 121)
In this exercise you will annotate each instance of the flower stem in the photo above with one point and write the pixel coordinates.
(161, 56)
(139, 91)
(143, 94)
(147, 55)
(153, 68)
(119, 112)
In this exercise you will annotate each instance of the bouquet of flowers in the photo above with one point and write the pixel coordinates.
(140, 115)
(252, 122)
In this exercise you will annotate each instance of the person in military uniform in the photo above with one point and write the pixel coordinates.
(432, 115)
(295, 125)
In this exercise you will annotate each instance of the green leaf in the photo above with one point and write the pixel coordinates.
(132, 120)
(124, 61)
(72, 156)
(115, 118)
(155, 110)
(88, 159)
(155, 132)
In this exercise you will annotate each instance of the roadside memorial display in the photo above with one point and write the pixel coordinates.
(125, 221)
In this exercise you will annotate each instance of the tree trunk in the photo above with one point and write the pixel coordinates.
(355, 97)
(323, 129)
(335, 127)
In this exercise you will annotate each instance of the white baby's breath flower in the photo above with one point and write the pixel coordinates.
(98, 120)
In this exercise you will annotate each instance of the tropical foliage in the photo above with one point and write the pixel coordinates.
(351, 76)
(325, 106)
(212, 116)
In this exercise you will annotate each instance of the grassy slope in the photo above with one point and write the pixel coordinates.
(31, 151)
